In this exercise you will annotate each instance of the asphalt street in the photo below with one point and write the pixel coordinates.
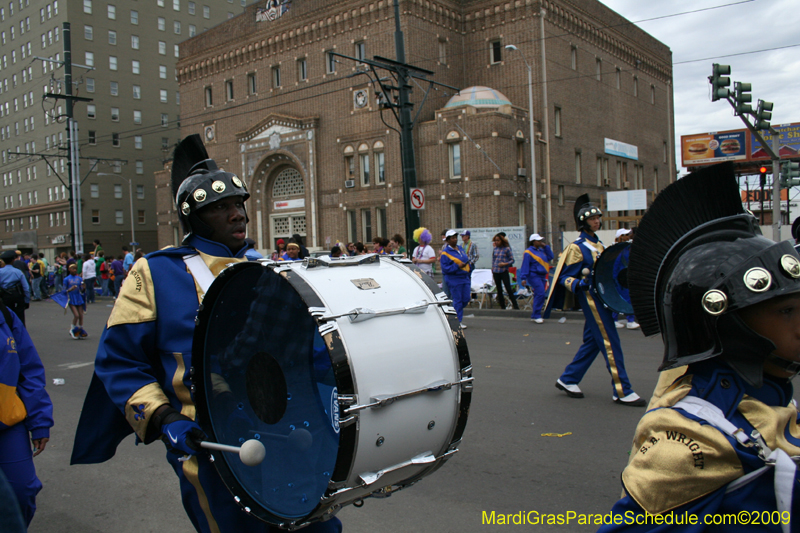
(527, 446)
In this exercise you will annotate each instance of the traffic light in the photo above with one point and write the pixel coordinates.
(790, 174)
(741, 97)
(762, 173)
(763, 115)
(719, 83)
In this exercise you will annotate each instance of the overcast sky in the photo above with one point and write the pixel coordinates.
(741, 26)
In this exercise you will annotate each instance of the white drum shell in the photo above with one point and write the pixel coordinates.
(391, 355)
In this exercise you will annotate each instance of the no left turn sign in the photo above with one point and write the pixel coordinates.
(417, 199)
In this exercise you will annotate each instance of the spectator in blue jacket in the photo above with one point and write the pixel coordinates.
(534, 272)
(26, 413)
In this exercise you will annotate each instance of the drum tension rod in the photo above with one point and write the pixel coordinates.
(384, 400)
(360, 314)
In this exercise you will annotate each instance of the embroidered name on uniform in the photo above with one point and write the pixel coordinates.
(694, 447)
(138, 278)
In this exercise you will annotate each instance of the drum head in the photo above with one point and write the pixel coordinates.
(262, 371)
(610, 276)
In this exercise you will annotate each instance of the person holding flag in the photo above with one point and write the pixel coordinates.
(456, 269)
(534, 271)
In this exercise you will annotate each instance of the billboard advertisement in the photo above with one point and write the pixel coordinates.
(710, 148)
(789, 141)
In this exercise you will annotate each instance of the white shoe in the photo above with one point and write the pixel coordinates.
(573, 391)
(463, 326)
(537, 320)
(632, 399)
(633, 325)
(619, 325)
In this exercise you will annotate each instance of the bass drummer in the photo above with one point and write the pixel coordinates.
(142, 379)
(599, 333)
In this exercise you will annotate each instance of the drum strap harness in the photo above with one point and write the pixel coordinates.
(539, 260)
(199, 270)
(779, 460)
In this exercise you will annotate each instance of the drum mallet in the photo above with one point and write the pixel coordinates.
(251, 453)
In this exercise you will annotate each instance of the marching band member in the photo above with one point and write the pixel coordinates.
(599, 332)
(534, 271)
(456, 270)
(718, 439)
(142, 382)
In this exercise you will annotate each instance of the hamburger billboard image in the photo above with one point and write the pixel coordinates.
(709, 148)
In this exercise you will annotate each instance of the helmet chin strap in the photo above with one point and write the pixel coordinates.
(792, 367)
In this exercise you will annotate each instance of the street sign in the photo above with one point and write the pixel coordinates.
(417, 199)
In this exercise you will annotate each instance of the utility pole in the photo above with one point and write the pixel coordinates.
(402, 74)
(73, 150)
(406, 128)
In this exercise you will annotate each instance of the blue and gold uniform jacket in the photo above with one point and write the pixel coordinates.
(22, 382)
(578, 255)
(681, 465)
(533, 267)
(144, 356)
(455, 264)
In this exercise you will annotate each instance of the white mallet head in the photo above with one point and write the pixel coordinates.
(252, 452)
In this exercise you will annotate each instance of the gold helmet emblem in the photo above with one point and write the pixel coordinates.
(185, 209)
(791, 265)
(757, 279)
(218, 186)
(236, 181)
(199, 195)
(715, 302)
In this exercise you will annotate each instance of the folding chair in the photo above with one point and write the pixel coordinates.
(482, 286)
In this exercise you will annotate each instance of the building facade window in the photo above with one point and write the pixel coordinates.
(381, 223)
(115, 140)
(366, 225)
(360, 50)
(251, 84)
(380, 169)
(209, 96)
(330, 62)
(456, 215)
(137, 116)
(94, 190)
(495, 51)
(363, 160)
(112, 12)
(454, 157)
(573, 57)
(139, 167)
(557, 121)
(137, 92)
(95, 216)
(135, 67)
(229, 90)
(302, 69)
(599, 69)
(112, 37)
(135, 18)
(88, 33)
(577, 167)
(276, 77)
(119, 217)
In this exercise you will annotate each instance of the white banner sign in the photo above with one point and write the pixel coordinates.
(290, 204)
(626, 200)
(482, 237)
(622, 149)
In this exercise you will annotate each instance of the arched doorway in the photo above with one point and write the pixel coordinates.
(287, 204)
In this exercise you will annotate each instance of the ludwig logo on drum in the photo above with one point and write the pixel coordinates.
(335, 409)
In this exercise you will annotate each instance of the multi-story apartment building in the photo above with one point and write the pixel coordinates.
(123, 55)
(306, 131)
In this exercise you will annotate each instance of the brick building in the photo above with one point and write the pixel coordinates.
(321, 158)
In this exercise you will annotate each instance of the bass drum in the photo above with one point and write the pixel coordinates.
(610, 277)
(300, 356)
